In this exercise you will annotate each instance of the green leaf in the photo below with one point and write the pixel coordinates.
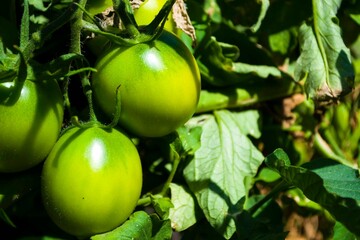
(267, 175)
(161, 228)
(340, 232)
(188, 140)
(42, 20)
(162, 206)
(216, 174)
(183, 214)
(281, 17)
(325, 61)
(267, 224)
(318, 189)
(39, 4)
(138, 227)
(212, 8)
(355, 17)
(283, 41)
(218, 66)
(338, 178)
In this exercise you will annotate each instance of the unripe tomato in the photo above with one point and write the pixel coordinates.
(95, 7)
(159, 85)
(91, 180)
(148, 11)
(30, 121)
(143, 15)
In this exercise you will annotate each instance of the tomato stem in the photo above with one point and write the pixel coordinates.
(231, 97)
(116, 118)
(25, 26)
(87, 26)
(37, 38)
(76, 26)
(166, 186)
(157, 24)
(125, 13)
(282, 186)
(75, 47)
(144, 201)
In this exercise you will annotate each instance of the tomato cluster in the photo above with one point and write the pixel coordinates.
(92, 174)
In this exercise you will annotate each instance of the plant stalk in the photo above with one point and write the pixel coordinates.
(75, 47)
(283, 185)
(125, 13)
(169, 180)
(324, 149)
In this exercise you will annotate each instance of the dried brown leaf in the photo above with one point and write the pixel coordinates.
(182, 19)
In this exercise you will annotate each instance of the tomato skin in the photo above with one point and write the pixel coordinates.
(91, 180)
(30, 123)
(95, 7)
(148, 11)
(159, 85)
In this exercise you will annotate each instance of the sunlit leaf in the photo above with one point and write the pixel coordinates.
(183, 214)
(217, 172)
(325, 61)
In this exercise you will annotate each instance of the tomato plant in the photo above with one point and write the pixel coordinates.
(251, 132)
(91, 180)
(159, 85)
(31, 116)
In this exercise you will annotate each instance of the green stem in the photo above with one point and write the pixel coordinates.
(324, 149)
(66, 96)
(117, 114)
(125, 13)
(25, 26)
(112, 37)
(235, 97)
(144, 201)
(40, 36)
(171, 176)
(160, 19)
(282, 186)
(75, 47)
(76, 27)
(330, 139)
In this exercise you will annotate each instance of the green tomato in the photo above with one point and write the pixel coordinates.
(159, 85)
(148, 11)
(30, 121)
(91, 180)
(143, 15)
(95, 7)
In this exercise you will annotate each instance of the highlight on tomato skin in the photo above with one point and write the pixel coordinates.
(159, 85)
(91, 181)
